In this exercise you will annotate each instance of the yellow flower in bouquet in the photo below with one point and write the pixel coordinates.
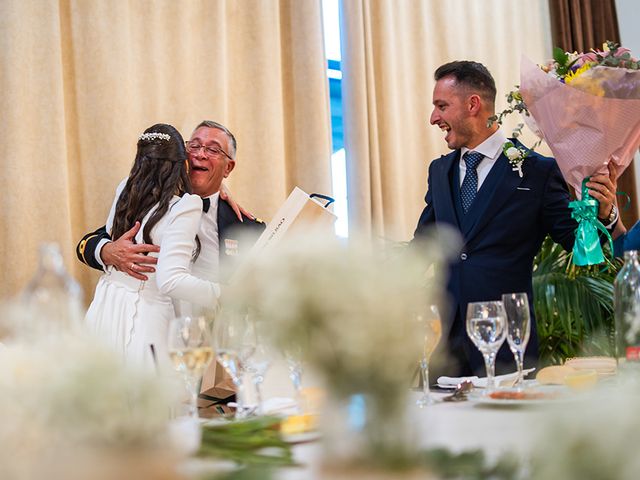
(572, 75)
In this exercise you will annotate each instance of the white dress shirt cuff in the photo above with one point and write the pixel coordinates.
(101, 244)
(613, 222)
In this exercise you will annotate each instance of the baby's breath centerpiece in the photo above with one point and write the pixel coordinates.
(69, 408)
(352, 313)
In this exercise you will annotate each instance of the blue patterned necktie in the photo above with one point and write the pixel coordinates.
(469, 186)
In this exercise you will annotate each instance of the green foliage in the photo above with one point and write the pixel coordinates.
(573, 305)
(253, 442)
(562, 60)
(515, 104)
(470, 464)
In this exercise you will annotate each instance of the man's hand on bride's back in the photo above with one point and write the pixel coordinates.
(129, 257)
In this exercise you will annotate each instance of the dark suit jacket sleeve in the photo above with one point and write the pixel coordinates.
(86, 249)
(427, 217)
(556, 214)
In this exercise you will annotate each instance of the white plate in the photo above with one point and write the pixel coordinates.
(480, 382)
(554, 394)
(304, 437)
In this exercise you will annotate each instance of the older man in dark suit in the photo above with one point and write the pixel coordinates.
(502, 216)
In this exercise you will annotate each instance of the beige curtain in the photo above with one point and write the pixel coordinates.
(79, 81)
(390, 51)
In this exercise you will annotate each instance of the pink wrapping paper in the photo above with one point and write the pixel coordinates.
(595, 118)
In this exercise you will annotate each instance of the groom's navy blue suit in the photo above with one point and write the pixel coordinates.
(502, 232)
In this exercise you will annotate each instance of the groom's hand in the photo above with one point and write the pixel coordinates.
(603, 188)
(129, 257)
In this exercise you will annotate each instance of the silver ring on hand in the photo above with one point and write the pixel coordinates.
(132, 265)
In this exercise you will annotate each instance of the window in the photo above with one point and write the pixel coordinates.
(331, 18)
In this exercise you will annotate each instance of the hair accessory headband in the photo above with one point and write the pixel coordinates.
(154, 136)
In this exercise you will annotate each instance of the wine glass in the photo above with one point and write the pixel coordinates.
(189, 346)
(257, 367)
(487, 329)
(516, 306)
(235, 342)
(292, 355)
(258, 364)
(432, 331)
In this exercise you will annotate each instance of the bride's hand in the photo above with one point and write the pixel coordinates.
(225, 195)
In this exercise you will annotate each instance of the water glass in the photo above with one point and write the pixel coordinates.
(235, 342)
(431, 330)
(487, 329)
(258, 364)
(294, 364)
(516, 306)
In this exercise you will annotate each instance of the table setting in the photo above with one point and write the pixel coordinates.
(323, 388)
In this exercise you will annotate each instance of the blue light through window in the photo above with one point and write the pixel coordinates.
(331, 18)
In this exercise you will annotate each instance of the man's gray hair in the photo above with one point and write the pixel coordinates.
(219, 126)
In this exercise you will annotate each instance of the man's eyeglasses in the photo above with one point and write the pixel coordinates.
(194, 147)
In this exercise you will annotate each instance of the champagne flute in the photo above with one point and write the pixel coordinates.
(235, 342)
(432, 331)
(189, 346)
(487, 329)
(516, 306)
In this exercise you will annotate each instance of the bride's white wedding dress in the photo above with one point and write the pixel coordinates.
(131, 315)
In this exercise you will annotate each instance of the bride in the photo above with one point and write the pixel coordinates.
(133, 315)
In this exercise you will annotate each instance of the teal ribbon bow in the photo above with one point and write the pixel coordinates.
(587, 249)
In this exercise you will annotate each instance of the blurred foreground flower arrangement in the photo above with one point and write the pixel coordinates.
(69, 408)
(350, 312)
(591, 439)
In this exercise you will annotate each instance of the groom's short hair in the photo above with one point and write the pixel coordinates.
(472, 75)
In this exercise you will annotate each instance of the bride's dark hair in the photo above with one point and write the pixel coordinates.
(159, 172)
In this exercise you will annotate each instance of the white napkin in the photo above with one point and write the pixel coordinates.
(284, 405)
(479, 382)
(274, 406)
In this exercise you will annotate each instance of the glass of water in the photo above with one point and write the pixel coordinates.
(431, 330)
(487, 329)
(235, 342)
(516, 306)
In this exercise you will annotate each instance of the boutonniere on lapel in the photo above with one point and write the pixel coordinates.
(515, 155)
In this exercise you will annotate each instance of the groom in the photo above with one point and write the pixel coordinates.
(502, 217)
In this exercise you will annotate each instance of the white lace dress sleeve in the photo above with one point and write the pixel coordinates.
(173, 272)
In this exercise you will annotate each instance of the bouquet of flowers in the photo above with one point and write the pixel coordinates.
(586, 106)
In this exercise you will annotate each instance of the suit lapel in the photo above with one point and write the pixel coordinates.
(441, 188)
(494, 192)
